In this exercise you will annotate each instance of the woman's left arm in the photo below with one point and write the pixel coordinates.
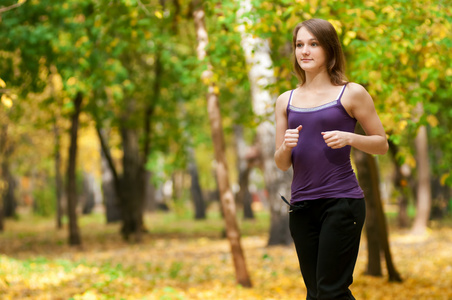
(359, 104)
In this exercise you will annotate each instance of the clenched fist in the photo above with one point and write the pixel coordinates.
(291, 137)
(336, 139)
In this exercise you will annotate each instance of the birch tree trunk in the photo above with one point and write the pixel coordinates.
(424, 198)
(260, 74)
(226, 195)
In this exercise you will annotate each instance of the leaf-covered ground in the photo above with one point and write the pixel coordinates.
(184, 259)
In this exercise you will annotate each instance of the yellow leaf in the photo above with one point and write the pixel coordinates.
(449, 72)
(72, 81)
(402, 125)
(432, 86)
(369, 15)
(444, 178)
(2, 83)
(349, 36)
(404, 58)
(429, 62)
(337, 25)
(21, 1)
(374, 75)
(7, 101)
(432, 120)
(158, 14)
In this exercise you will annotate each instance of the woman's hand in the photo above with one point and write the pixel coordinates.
(336, 139)
(291, 137)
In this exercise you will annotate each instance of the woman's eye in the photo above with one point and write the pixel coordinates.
(299, 45)
(314, 44)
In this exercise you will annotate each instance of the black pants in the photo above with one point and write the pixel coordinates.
(327, 233)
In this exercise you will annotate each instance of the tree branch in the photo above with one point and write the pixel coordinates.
(4, 9)
(108, 156)
(140, 4)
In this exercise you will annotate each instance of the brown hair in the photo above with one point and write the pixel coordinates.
(325, 33)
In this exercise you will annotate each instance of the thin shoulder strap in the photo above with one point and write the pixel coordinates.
(342, 91)
(290, 98)
(289, 103)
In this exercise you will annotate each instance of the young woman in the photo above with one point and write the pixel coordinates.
(315, 126)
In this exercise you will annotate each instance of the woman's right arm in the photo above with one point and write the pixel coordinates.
(286, 138)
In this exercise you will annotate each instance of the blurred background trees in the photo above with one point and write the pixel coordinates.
(144, 137)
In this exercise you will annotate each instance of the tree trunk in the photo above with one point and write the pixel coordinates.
(9, 199)
(89, 194)
(71, 185)
(372, 224)
(243, 197)
(111, 201)
(1, 218)
(277, 183)
(195, 187)
(441, 194)
(132, 186)
(3, 146)
(257, 54)
(401, 182)
(370, 182)
(58, 177)
(226, 196)
(424, 198)
(178, 185)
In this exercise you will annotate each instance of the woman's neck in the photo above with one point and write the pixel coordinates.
(317, 80)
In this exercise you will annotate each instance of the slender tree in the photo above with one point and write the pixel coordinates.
(243, 197)
(402, 184)
(376, 227)
(424, 196)
(71, 184)
(261, 75)
(58, 177)
(226, 195)
(195, 187)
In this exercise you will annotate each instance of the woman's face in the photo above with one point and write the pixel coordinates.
(310, 55)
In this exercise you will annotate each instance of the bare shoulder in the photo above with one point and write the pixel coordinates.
(356, 91)
(283, 99)
(356, 98)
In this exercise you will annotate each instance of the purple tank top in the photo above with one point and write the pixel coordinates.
(319, 171)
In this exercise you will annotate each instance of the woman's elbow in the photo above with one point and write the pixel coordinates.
(384, 147)
(280, 165)
(283, 168)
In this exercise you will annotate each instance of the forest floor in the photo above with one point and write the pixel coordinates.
(185, 259)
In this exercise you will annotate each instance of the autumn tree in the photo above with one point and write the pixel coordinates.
(226, 195)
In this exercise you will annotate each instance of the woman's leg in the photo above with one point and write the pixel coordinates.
(339, 240)
(305, 233)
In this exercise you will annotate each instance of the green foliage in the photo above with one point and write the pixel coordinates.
(44, 201)
(127, 57)
(399, 50)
